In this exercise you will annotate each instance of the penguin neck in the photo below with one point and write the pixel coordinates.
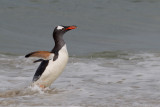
(59, 43)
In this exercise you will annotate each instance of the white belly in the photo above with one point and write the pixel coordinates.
(54, 68)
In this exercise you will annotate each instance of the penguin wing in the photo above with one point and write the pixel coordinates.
(45, 55)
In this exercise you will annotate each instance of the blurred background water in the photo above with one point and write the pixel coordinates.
(27, 25)
(115, 52)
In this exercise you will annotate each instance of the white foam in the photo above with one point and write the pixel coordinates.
(37, 89)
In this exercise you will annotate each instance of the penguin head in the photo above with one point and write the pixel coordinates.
(63, 29)
(60, 30)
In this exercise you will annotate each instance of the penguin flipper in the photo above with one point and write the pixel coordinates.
(41, 54)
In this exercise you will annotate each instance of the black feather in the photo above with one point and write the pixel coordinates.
(39, 60)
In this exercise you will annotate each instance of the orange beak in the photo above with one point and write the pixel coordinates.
(71, 27)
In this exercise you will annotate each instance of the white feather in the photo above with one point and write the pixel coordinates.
(51, 56)
(54, 68)
(60, 27)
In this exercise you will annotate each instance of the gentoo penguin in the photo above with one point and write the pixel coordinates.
(53, 62)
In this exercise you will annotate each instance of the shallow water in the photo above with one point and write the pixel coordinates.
(123, 80)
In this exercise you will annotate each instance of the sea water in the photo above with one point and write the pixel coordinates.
(114, 53)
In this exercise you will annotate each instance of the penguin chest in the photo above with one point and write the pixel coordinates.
(54, 68)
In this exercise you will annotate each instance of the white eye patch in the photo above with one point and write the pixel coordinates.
(60, 27)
